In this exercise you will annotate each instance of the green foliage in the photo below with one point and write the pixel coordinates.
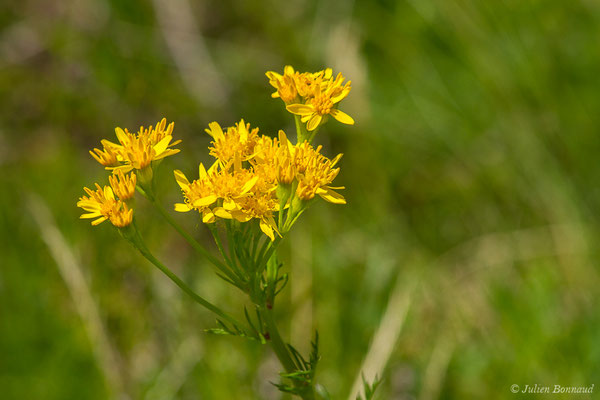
(368, 389)
(302, 379)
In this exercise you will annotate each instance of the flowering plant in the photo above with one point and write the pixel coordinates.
(249, 199)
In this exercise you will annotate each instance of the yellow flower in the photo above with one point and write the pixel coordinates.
(197, 195)
(285, 85)
(260, 206)
(109, 156)
(123, 185)
(231, 187)
(323, 102)
(102, 205)
(307, 83)
(314, 173)
(237, 141)
(139, 151)
(295, 87)
(273, 159)
(242, 195)
(122, 216)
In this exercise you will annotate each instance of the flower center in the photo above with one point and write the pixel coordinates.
(322, 104)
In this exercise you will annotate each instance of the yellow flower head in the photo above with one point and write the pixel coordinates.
(102, 205)
(323, 102)
(295, 87)
(123, 185)
(285, 85)
(307, 83)
(237, 142)
(109, 156)
(273, 159)
(231, 187)
(259, 206)
(122, 216)
(197, 195)
(138, 151)
(314, 173)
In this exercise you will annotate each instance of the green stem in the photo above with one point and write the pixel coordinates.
(312, 134)
(139, 244)
(238, 280)
(265, 254)
(277, 343)
(217, 238)
(301, 133)
(193, 242)
(281, 349)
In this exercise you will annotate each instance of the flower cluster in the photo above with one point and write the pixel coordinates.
(255, 176)
(130, 161)
(137, 151)
(311, 95)
(102, 204)
(249, 197)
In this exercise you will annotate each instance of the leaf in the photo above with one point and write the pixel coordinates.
(369, 389)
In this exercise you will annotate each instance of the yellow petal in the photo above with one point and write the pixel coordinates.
(272, 75)
(181, 179)
(205, 201)
(314, 122)
(336, 159)
(208, 217)
(121, 135)
(229, 205)
(108, 144)
(90, 215)
(99, 221)
(124, 168)
(267, 230)
(213, 167)
(96, 156)
(283, 138)
(161, 146)
(288, 70)
(249, 185)
(241, 216)
(202, 172)
(166, 153)
(340, 96)
(108, 193)
(342, 117)
(222, 213)
(329, 195)
(243, 131)
(215, 130)
(182, 207)
(300, 109)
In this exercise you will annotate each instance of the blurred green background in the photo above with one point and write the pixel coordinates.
(465, 260)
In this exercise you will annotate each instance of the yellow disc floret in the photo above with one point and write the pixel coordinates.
(123, 185)
(237, 142)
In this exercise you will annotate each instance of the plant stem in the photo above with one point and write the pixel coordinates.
(193, 242)
(138, 243)
(301, 133)
(277, 343)
(281, 349)
(312, 134)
